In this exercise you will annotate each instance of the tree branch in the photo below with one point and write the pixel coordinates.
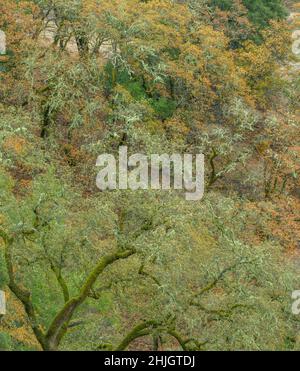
(60, 324)
(21, 293)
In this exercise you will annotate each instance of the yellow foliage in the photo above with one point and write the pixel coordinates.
(15, 144)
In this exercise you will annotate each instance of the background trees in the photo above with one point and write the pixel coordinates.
(147, 270)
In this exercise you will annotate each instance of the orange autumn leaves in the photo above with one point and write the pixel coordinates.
(14, 144)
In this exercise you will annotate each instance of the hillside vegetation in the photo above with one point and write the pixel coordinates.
(147, 270)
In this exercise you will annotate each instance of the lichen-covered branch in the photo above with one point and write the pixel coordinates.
(141, 330)
(21, 293)
(60, 324)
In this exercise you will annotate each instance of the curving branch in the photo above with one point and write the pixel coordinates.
(61, 322)
(60, 325)
(142, 272)
(21, 293)
(154, 329)
(61, 281)
(213, 175)
(222, 313)
(141, 330)
(212, 284)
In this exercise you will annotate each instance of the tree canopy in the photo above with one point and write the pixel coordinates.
(147, 270)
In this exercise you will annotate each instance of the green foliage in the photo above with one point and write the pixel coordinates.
(262, 11)
(163, 107)
(91, 270)
(260, 14)
(5, 342)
